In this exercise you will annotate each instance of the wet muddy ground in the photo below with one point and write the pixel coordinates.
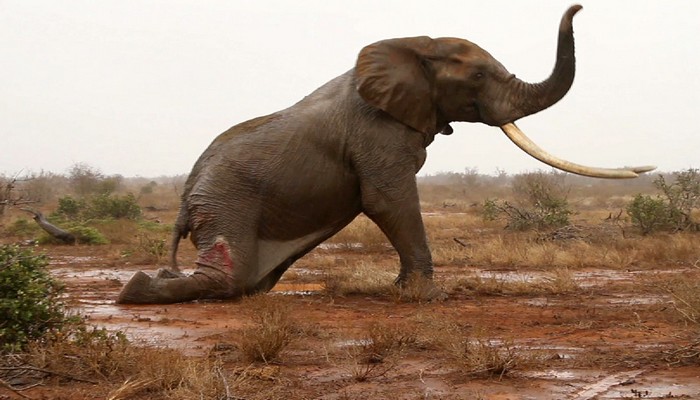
(609, 340)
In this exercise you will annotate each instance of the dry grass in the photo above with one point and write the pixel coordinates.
(472, 351)
(361, 233)
(377, 353)
(272, 330)
(559, 281)
(362, 278)
(686, 300)
(487, 358)
(122, 370)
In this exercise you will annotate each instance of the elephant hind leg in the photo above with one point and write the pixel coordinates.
(143, 289)
(213, 279)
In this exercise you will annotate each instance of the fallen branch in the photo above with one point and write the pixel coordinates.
(60, 234)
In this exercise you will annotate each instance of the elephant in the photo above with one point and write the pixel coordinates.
(269, 190)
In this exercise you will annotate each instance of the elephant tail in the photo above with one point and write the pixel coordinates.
(180, 231)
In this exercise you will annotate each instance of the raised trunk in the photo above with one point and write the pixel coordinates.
(530, 98)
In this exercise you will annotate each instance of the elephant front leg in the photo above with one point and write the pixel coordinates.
(396, 211)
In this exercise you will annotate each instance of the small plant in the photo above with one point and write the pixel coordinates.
(272, 329)
(30, 299)
(486, 358)
(375, 355)
(153, 247)
(560, 281)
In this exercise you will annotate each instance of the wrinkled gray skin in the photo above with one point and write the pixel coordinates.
(269, 190)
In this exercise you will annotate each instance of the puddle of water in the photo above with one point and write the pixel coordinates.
(304, 289)
(563, 374)
(92, 274)
(442, 214)
(305, 271)
(354, 343)
(64, 260)
(626, 300)
(336, 246)
(562, 352)
(511, 276)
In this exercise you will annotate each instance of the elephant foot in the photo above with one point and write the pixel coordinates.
(136, 290)
(143, 289)
(419, 288)
(167, 273)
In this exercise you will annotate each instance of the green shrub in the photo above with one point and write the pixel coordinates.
(673, 210)
(683, 196)
(541, 203)
(101, 206)
(112, 206)
(22, 227)
(650, 214)
(30, 305)
(70, 208)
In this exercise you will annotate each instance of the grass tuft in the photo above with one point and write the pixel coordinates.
(272, 330)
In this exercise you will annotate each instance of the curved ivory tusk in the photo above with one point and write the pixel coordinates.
(518, 137)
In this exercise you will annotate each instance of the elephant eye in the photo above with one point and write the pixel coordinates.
(478, 76)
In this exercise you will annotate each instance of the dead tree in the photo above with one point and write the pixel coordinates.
(7, 193)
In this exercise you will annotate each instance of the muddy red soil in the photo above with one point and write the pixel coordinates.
(609, 340)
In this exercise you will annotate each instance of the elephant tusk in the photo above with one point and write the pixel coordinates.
(518, 137)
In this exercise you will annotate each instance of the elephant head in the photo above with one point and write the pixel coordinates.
(428, 83)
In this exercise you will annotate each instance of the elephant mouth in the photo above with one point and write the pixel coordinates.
(528, 146)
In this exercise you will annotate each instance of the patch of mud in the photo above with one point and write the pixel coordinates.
(676, 383)
(567, 329)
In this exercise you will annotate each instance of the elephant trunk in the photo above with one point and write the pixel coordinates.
(529, 98)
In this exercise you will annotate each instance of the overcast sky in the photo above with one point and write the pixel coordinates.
(140, 88)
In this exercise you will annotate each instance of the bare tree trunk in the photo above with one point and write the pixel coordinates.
(51, 229)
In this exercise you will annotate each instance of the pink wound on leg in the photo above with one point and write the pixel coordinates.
(218, 256)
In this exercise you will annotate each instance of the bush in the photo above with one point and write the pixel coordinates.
(70, 208)
(112, 206)
(673, 210)
(542, 203)
(650, 214)
(102, 206)
(30, 305)
(683, 196)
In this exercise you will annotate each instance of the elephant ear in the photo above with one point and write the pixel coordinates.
(392, 76)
